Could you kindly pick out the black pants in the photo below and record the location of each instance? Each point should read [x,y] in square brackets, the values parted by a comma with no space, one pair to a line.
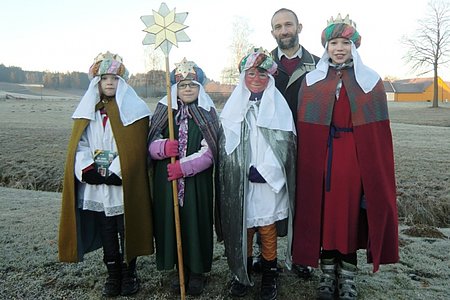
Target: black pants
[112,234]
[348,258]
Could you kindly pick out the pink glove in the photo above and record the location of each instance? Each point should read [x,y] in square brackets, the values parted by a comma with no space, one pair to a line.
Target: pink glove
[174,171]
[171,148]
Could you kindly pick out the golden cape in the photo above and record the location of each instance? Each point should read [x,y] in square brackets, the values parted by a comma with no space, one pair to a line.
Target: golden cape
[78,231]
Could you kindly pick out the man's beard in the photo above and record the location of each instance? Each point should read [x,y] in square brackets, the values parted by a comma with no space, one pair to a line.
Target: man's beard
[292,42]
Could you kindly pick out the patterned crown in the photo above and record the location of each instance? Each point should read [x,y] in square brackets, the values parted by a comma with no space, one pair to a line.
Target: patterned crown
[108,63]
[341,28]
[258,57]
[108,55]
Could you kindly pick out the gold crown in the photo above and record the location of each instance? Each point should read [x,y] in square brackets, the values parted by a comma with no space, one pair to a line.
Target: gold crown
[108,55]
[339,20]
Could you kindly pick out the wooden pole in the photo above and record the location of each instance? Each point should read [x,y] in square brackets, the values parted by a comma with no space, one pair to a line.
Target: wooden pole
[174,185]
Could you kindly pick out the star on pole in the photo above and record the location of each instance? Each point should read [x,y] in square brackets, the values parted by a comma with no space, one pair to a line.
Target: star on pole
[165,28]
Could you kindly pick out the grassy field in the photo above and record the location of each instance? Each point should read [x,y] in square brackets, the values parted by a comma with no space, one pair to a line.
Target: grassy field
[34,134]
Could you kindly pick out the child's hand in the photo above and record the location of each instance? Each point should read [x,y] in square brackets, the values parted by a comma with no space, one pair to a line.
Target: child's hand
[92,177]
[174,171]
[171,148]
[254,176]
[113,179]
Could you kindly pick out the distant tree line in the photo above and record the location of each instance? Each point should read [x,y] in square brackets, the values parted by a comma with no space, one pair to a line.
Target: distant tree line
[71,80]
[150,84]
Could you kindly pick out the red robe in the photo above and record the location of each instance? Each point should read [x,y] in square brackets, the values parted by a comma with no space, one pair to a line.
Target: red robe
[341,205]
[363,162]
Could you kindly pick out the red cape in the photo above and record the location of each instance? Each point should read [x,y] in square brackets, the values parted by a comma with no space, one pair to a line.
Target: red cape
[372,134]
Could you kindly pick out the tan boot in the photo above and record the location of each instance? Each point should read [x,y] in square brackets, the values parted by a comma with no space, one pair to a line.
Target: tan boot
[346,281]
[327,282]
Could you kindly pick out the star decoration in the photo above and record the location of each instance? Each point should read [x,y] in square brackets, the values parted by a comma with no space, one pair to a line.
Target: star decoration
[184,68]
[165,28]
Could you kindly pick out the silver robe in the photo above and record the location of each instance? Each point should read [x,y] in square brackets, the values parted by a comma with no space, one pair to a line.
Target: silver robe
[232,189]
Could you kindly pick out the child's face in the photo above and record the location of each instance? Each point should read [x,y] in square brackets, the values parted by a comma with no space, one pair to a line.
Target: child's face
[256,80]
[187,91]
[108,84]
[339,50]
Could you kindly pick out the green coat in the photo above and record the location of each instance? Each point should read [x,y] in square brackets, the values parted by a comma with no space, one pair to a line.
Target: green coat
[78,231]
[196,214]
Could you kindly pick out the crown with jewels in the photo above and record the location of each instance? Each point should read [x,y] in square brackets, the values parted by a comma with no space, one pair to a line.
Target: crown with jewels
[108,63]
[339,20]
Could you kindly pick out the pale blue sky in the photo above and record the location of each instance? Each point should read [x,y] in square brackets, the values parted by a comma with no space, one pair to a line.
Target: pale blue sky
[61,35]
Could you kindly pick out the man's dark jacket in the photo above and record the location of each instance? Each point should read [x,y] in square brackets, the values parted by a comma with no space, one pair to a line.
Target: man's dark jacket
[289,86]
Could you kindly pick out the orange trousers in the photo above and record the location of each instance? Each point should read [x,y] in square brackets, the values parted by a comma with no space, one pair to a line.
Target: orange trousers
[268,236]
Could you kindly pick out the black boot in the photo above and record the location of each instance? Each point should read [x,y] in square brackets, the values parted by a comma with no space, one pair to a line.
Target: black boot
[238,289]
[304,272]
[113,282]
[196,284]
[250,267]
[257,264]
[269,279]
[130,282]
[257,261]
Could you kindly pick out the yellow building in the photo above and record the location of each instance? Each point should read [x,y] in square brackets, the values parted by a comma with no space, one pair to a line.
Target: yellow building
[417,89]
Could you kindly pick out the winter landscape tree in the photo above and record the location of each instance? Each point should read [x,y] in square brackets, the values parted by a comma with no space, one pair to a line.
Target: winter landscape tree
[429,47]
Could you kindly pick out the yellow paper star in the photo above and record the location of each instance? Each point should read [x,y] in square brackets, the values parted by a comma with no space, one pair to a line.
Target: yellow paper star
[165,28]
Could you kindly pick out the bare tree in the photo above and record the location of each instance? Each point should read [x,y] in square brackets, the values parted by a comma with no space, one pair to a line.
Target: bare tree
[238,48]
[153,59]
[429,47]
[153,63]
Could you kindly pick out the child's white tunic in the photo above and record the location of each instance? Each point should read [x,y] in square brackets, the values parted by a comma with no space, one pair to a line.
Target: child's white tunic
[101,197]
[267,202]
